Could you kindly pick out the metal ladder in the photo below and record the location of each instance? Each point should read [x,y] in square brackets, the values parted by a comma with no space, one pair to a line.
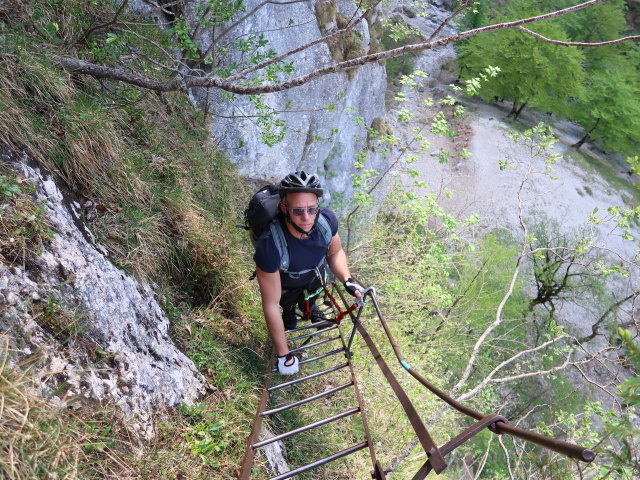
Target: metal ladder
[435,455]
[331,333]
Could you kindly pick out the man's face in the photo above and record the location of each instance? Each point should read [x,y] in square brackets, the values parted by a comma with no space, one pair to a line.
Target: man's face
[302,209]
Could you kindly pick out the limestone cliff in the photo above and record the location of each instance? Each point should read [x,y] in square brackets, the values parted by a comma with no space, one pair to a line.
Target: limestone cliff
[326,119]
[89,331]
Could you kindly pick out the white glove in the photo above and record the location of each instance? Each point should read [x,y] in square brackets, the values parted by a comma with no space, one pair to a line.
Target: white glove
[286,366]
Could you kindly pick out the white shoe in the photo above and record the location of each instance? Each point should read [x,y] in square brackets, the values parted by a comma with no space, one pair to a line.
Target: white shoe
[286,366]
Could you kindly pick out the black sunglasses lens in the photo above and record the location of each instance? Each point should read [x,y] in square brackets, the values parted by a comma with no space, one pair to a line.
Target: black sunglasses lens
[298,212]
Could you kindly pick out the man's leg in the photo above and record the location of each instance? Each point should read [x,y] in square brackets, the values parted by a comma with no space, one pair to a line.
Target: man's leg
[289,317]
[288,301]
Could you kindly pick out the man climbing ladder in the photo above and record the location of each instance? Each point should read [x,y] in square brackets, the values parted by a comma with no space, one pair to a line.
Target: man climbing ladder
[291,255]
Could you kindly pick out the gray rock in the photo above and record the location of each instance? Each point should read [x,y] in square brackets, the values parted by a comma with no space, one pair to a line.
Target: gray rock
[116,345]
[317,139]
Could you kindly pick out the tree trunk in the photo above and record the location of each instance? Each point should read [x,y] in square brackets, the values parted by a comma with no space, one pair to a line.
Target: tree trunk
[580,142]
[519,111]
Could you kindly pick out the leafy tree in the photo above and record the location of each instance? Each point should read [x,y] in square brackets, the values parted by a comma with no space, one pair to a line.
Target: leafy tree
[609,110]
[560,268]
[532,73]
[598,24]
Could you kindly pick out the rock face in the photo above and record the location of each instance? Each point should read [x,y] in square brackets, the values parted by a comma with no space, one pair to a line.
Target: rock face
[122,351]
[325,119]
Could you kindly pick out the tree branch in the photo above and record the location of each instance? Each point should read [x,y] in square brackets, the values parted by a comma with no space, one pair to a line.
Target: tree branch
[104,26]
[462,7]
[324,38]
[505,298]
[578,44]
[228,84]
[492,373]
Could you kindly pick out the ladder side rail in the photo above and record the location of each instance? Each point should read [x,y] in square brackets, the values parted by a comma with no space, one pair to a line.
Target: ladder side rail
[451,445]
[418,426]
[378,473]
[247,463]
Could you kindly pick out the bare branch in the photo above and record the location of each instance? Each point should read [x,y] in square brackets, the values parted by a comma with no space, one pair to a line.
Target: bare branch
[104,26]
[596,326]
[492,373]
[506,457]
[596,384]
[578,44]
[98,71]
[484,458]
[505,298]
[462,7]
[233,25]
[229,84]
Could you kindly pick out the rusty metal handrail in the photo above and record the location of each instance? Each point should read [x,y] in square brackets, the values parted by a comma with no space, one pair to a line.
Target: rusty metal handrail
[247,462]
[570,450]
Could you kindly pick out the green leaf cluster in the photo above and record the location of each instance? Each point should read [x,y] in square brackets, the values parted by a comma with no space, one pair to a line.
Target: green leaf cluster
[596,87]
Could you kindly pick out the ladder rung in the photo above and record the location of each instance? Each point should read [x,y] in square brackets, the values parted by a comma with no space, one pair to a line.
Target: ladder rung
[299,349]
[309,377]
[305,428]
[319,463]
[323,324]
[324,355]
[312,333]
[306,400]
[326,340]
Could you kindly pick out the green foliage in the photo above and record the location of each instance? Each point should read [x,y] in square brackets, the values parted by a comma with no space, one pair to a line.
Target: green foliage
[23,226]
[594,86]
[630,388]
[59,320]
[553,75]
[612,119]
[8,186]
[206,437]
[561,269]
[399,34]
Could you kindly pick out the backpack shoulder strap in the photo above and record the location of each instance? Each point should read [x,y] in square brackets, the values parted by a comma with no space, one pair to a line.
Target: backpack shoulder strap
[281,243]
[325,228]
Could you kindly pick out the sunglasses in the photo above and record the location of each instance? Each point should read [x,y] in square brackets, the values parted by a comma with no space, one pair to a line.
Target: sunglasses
[299,211]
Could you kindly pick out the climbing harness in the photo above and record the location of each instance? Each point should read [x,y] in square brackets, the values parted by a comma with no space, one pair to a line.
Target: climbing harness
[435,455]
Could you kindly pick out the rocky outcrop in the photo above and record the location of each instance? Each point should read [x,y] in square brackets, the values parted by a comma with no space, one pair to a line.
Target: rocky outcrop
[91,332]
[326,119]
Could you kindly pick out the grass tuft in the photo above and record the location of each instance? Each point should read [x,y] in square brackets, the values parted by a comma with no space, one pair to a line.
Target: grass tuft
[23,226]
[41,438]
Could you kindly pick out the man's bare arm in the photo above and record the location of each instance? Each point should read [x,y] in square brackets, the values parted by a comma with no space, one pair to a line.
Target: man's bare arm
[270,290]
